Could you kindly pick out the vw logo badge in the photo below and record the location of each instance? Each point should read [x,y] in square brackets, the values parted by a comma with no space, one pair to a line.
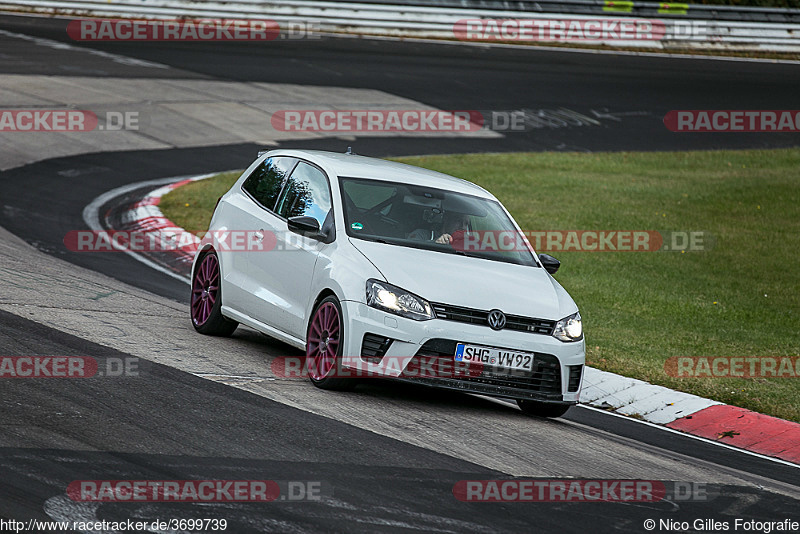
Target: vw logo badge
[497,320]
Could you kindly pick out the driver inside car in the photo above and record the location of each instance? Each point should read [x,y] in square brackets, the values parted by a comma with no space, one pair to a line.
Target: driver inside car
[452,222]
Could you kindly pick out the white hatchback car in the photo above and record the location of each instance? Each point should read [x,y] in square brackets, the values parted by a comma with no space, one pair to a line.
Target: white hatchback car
[377,268]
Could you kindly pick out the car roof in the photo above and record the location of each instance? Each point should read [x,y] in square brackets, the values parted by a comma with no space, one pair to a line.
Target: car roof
[353,166]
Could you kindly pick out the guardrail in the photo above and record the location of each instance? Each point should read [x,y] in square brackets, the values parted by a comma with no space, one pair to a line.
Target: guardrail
[622,7]
[678,26]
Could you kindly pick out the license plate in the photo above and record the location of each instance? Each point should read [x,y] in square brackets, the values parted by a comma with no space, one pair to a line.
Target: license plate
[500,358]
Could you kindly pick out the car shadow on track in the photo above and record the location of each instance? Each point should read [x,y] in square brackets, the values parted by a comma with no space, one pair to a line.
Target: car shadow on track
[384,389]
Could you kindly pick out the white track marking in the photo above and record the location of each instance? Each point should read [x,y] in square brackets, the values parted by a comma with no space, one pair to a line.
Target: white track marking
[91,216]
[58,45]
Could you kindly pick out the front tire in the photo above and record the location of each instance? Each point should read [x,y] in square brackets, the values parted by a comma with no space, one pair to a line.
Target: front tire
[542,409]
[206,300]
[324,346]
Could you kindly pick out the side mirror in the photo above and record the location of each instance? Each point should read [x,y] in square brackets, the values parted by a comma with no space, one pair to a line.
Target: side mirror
[549,263]
[304,225]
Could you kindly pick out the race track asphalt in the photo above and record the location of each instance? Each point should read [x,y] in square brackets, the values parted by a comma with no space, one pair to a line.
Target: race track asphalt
[167,423]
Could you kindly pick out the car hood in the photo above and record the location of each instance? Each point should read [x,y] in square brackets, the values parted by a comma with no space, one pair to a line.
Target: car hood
[470,282]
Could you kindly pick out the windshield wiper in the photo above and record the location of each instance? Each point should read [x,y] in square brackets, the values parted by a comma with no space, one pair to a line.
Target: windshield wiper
[375,239]
[436,247]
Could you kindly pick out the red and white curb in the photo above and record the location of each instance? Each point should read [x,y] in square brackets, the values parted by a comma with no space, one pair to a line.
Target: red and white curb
[745,429]
[704,418]
[632,397]
[145,216]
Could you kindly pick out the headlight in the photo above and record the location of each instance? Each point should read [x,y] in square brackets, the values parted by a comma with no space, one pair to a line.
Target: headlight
[569,328]
[392,299]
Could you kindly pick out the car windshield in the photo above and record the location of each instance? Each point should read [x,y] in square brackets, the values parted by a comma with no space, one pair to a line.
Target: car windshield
[432,219]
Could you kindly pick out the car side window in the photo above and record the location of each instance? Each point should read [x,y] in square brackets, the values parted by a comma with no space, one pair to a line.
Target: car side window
[307,193]
[265,183]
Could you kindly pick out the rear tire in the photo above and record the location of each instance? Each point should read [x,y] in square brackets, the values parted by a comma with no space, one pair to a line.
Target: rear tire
[324,346]
[206,299]
[542,409]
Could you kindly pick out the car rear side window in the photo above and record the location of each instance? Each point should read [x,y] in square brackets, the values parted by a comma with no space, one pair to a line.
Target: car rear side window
[307,193]
[265,183]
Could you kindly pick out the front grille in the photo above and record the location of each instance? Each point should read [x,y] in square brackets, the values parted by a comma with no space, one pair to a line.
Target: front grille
[574,377]
[481,317]
[374,347]
[434,365]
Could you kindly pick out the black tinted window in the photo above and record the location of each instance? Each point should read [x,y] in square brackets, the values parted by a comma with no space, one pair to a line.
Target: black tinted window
[432,219]
[265,183]
[307,193]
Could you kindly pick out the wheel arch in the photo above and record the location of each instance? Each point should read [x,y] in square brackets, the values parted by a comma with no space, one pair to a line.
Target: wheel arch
[201,252]
[326,292]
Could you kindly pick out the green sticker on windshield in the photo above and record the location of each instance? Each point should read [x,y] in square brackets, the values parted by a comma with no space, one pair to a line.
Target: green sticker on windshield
[357,226]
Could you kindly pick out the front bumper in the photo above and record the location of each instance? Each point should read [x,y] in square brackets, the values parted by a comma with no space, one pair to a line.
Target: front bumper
[423,352]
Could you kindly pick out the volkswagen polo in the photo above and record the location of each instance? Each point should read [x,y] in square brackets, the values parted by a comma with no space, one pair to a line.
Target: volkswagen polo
[376,268]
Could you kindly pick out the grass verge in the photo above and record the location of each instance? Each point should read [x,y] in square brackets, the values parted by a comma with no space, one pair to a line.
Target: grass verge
[739,298]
